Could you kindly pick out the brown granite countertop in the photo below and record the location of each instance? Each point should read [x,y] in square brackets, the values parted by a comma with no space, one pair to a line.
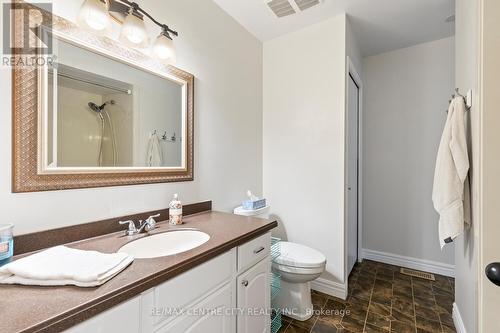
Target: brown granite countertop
[53,309]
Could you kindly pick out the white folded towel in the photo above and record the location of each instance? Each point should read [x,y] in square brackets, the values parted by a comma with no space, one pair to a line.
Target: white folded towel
[62,265]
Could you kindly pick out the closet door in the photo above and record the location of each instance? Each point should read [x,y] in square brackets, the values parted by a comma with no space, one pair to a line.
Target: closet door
[352,173]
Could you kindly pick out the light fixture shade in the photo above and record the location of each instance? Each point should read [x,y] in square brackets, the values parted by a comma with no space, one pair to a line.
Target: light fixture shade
[163,48]
[133,32]
[94,16]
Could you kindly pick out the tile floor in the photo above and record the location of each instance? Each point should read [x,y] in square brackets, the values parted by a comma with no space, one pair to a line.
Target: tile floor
[380,299]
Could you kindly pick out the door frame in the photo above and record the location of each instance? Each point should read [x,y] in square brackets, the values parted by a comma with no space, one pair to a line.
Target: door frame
[488,68]
[353,72]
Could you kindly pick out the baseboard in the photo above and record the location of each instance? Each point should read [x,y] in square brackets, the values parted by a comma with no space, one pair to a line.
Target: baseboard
[409,262]
[331,288]
[457,320]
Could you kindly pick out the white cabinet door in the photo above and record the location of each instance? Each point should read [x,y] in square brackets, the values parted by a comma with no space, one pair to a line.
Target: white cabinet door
[124,318]
[254,295]
[210,315]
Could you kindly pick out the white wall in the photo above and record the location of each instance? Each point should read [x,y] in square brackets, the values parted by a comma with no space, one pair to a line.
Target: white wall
[406,95]
[466,246]
[227,63]
[304,103]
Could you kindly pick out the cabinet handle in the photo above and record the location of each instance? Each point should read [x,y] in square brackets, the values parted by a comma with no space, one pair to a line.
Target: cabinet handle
[244,283]
[259,250]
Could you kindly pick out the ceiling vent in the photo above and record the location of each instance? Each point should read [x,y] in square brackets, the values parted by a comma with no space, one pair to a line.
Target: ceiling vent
[305,4]
[283,8]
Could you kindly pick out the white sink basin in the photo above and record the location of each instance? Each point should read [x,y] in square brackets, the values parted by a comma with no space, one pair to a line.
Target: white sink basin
[165,244]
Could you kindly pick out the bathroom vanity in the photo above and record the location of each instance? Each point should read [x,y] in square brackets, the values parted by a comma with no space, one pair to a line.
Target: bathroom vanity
[202,299]
[205,289]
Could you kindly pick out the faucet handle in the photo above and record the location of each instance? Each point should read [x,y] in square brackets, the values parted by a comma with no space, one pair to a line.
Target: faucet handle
[150,222]
[131,227]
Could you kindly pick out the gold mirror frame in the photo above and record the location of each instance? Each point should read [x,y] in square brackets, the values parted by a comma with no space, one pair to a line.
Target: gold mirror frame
[26,125]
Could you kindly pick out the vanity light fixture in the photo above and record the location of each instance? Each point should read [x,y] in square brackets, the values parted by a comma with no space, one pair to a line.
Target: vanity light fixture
[96,15]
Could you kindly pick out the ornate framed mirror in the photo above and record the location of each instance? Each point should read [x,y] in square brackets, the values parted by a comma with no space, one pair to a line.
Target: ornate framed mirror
[95,113]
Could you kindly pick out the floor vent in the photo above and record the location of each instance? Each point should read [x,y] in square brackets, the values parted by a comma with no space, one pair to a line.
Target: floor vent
[419,274]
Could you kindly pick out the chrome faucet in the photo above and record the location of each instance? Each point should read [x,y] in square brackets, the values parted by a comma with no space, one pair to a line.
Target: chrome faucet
[148,225]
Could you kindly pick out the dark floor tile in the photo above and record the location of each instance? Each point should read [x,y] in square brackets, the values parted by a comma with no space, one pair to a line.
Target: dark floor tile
[355,301]
[446,319]
[324,327]
[365,281]
[293,328]
[382,297]
[427,313]
[369,328]
[445,285]
[309,323]
[449,329]
[422,292]
[443,292]
[334,304]
[402,327]
[353,324]
[382,284]
[418,282]
[403,292]
[386,276]
[360,293]
[444,301]
[382,309]
[378,320]
[356,312]
[403,305]
[428,302]
[403,317]
[443,309]
[428,325]
[330,320]
[318,300]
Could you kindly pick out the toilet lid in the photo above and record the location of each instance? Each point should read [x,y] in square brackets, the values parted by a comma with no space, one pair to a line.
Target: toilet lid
[297,255]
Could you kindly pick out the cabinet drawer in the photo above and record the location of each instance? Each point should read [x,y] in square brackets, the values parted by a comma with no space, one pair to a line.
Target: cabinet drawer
[252,252]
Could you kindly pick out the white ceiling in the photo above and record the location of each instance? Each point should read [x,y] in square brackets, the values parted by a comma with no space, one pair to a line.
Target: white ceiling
[380,25]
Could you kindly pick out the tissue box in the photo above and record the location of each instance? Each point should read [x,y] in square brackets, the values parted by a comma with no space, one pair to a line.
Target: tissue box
[253,204]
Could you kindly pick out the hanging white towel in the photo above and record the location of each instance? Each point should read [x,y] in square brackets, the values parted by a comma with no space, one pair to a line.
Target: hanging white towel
[155,155]
[450,177]
[62,265]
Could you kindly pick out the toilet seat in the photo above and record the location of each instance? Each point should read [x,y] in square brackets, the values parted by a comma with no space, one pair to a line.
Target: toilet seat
[299,258]
[298,270]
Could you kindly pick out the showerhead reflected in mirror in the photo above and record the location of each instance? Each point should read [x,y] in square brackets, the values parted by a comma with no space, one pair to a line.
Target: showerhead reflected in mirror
[103,113]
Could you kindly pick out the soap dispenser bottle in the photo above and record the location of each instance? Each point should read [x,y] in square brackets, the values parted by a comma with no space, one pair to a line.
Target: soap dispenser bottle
[175,211]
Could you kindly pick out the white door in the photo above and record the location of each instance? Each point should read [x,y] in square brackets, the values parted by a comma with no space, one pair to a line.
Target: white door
[254,294]
[489,252]
[352,173]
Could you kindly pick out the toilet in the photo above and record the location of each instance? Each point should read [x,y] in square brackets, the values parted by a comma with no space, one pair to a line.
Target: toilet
[298,265]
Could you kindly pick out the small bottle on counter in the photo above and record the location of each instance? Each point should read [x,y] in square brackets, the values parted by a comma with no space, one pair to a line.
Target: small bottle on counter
[175,211]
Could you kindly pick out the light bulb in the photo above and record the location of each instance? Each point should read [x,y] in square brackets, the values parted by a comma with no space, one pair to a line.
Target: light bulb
[93,15]
[133,32]
[163,47]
